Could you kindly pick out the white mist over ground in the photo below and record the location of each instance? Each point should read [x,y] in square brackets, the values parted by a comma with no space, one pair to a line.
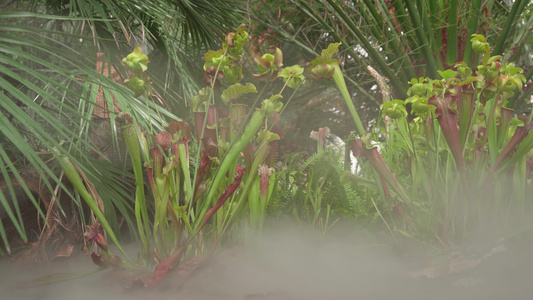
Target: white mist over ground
[289,264]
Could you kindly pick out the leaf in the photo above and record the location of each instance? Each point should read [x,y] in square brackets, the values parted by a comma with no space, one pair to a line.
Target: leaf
[394,109]
[520,134]
[278,58]
[293,76]
[447,74]
[265,136]
[162,269]
[332,49]
[39,58]
[235,91]
[137,60]
[227,193]
[164,140]
[214,58]
[275,97]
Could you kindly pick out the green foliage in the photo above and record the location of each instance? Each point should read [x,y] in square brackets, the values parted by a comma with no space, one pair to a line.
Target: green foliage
[400,39]
[136,61]
[394,109]
[269,65]
[293,76]
[315,191]
[194,201]
[424,173]
[455,151]
[50,86]
[235,91]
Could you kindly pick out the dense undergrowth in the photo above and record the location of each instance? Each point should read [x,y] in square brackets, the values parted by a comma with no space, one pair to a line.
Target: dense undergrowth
[440,167]
[455,163]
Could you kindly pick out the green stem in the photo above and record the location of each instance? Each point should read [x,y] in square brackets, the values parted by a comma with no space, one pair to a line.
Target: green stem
[255,206]
[475,8]
[372,52]
[516,10]
[406,69]
[429,28]
[451,48]
[141,214]
[424,43]
[184,162]
[210,102]
[72,174]
[434,10]
[341,85]
[251,129]
[337,37]
[404,25]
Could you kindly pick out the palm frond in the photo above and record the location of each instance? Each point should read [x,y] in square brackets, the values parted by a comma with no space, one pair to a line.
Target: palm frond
[52,87]
[401,39]
[49,92]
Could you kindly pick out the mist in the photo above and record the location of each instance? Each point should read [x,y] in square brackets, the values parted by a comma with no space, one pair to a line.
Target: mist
[297,263]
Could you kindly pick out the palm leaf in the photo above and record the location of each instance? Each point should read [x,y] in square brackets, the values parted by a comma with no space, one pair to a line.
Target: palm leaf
[402,39]
[50,85]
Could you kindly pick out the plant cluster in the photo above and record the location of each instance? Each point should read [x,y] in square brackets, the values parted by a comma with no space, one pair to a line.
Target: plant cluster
[452,136]
[445,162]
[399,39]
[206,182]
[51,90]
[466,152]
[453,157]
